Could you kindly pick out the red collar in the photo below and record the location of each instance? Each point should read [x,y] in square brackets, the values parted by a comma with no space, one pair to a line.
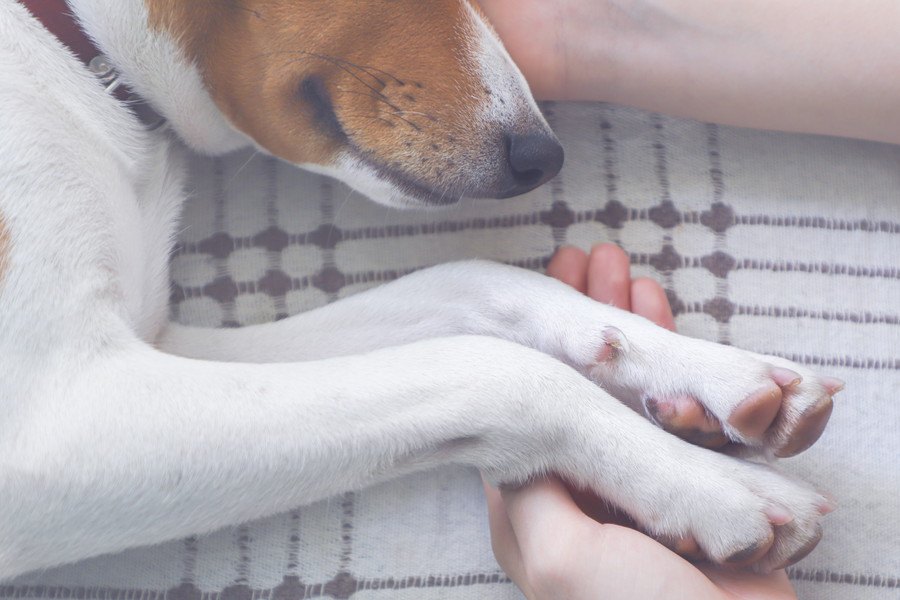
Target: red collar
[56,16]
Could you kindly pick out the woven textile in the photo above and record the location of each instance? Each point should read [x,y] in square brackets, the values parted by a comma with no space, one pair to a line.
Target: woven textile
[781,244]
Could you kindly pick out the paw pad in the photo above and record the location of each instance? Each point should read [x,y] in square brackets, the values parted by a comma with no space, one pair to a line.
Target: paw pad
[686,418]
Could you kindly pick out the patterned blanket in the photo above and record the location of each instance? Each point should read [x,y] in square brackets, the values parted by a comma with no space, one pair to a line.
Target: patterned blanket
[781,244]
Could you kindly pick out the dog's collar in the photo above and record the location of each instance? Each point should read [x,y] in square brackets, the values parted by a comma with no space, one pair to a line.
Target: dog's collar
[57,18]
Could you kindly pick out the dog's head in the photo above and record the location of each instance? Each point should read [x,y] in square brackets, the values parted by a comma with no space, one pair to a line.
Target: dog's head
[411,102]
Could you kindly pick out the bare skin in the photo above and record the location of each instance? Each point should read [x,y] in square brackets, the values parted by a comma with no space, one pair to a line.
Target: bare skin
[556,544]
[810,66]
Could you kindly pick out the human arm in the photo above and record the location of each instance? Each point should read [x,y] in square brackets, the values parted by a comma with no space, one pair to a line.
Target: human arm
[812,66]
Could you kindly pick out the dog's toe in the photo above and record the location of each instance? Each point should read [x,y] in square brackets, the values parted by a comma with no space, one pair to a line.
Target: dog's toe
[792,544]
[782,529]
[785,414]
[752,553]
[685,417]
[804,550]
[753,417]
[808,428]
[713,396]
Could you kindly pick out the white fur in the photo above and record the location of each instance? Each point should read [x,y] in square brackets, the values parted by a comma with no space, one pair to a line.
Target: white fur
[118,430]
[511,97]
[156,69]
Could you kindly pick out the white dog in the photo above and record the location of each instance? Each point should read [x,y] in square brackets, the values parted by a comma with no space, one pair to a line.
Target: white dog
[120,429]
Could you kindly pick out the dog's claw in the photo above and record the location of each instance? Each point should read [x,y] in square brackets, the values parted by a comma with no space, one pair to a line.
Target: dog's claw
[786,378]
[827,506]
[778,515]
[833,385]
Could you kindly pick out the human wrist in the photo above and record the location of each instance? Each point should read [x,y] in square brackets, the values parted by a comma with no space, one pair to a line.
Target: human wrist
[583,61]
[561,46]
[623,51]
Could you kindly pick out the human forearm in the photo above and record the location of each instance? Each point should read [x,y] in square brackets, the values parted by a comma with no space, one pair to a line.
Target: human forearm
[823,66]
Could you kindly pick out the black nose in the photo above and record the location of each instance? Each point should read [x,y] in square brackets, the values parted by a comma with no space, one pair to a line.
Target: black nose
[534,159]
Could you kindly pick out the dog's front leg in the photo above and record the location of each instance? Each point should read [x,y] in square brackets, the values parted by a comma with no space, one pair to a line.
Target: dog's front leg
[139,447]
[764,402]
[142,447]
[465,298]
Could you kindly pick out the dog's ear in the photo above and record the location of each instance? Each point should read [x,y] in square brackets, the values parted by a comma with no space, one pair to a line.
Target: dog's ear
[407,101]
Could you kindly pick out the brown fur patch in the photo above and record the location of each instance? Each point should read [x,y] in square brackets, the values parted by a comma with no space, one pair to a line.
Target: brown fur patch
[5,249]
[309,78]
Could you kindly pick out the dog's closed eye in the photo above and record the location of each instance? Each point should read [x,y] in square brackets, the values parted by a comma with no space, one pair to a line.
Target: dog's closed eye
[312,91]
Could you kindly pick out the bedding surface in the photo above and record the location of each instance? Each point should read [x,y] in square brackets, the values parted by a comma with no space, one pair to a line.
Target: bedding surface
[781,244]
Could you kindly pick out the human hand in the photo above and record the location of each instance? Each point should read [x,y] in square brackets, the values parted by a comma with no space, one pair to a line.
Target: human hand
[542,534]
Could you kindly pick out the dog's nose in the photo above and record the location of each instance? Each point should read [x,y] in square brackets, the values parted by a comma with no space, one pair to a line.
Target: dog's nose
[534,159]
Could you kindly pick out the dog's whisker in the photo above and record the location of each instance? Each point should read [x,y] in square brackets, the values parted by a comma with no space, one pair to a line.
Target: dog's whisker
[367,69]
[341,65]
[415,113]
[398,112]
[341,206]
[253,155]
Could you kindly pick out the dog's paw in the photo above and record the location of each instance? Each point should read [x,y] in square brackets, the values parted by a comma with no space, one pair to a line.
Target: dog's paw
[740,514]
[713,395]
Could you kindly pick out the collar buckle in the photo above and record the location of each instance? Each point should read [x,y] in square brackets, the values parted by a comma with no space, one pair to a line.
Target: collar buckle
[111,81]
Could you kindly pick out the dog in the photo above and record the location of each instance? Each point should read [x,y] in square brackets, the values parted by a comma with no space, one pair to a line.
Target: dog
[120,429]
